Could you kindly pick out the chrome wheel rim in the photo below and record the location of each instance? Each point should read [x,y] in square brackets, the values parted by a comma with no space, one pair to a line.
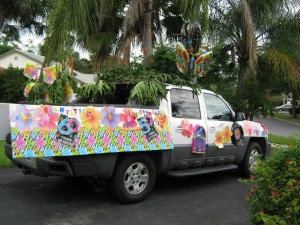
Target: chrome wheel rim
[136,178]
[253,159]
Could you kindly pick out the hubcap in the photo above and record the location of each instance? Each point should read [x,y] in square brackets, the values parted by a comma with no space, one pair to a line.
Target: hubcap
[136,178]
[253,159]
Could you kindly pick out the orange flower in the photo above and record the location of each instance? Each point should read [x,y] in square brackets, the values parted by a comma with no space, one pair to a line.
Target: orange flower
[227,134]
[219,140]
[90,118]
[163,121]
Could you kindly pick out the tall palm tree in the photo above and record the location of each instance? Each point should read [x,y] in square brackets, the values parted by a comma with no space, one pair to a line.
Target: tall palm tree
[138,20]
[16,15]
[144,18]
[246,24]
[92,25]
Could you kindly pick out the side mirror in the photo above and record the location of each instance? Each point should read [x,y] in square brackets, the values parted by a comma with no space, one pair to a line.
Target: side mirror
[239,116]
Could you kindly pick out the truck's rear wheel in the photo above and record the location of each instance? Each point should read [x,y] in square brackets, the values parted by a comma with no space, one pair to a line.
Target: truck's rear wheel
[251,159]
[134,178]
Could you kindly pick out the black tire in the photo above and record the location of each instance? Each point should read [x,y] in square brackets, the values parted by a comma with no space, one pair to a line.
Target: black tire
[139,173]
[250,159]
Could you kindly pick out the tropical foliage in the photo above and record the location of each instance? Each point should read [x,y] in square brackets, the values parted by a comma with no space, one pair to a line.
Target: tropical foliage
[51,85]
[12,85]
[17,15]
[274,197]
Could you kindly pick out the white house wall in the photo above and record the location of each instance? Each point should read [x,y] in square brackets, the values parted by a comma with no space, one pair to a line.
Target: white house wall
[4,120]
[16,60]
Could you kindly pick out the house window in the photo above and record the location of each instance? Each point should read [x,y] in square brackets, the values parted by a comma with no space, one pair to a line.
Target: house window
[16,58]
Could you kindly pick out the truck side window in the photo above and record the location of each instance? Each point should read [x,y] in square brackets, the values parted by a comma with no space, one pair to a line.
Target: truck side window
[216,108]
[185,104]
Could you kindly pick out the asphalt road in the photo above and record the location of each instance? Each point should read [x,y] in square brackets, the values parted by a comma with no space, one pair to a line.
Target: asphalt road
[281,127]
[209,199]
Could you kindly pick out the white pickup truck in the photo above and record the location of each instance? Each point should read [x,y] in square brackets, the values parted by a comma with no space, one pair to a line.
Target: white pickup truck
[187,134]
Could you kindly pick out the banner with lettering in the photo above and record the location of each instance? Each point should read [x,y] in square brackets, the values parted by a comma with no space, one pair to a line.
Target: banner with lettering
[46,130]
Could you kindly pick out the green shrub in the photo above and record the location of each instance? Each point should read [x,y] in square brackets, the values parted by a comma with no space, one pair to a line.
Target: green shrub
[275,194]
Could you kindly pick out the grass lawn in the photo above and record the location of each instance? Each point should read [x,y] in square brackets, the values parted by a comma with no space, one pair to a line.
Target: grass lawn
[4,161]
[288,117]
[275,139]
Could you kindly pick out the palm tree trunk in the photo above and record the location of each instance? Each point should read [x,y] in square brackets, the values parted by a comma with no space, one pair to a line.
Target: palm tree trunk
[127,51]
[147,39]
[2,12]
[243,64]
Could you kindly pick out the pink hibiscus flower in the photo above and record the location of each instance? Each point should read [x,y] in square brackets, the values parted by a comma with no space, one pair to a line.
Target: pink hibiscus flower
[47,118]
[128,117]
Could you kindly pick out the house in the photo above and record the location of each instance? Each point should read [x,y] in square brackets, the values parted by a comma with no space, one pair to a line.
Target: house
[17,58]
[83,78]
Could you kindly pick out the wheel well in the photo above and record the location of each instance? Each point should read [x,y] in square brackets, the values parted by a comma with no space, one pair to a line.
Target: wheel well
[154,155]
[261,142]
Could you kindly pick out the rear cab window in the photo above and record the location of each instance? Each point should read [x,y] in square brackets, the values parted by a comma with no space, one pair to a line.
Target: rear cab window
[185,104]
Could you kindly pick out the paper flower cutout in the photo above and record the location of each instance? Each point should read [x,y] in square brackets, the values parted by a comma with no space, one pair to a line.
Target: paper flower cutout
[163,122]
[110,118]
[248,127]
[24,118]
[227,133]
[47,119]
[219,139]
[129,118]
[90,118]
[187,129]
[50,74]
[30,71]
[28,88]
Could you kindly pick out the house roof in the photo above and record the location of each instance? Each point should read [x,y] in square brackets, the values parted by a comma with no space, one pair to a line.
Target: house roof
[37,58]
[84,78]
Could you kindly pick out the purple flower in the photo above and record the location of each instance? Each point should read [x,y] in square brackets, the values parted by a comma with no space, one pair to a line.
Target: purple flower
[106,139]
[20,143]
[157,138]
[91,140]
[23,117]
[120,139]
[134,139]
[168,138]
[109,117]
[40,142]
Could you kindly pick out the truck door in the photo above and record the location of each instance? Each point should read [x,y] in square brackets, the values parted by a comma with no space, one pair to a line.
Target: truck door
[185,115]
[220,148]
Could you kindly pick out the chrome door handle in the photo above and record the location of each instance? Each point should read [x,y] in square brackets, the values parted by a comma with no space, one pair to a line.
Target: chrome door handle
[178,129]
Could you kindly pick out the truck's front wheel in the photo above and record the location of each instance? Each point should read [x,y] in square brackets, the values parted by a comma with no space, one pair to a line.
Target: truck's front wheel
[134,178]
[250,159]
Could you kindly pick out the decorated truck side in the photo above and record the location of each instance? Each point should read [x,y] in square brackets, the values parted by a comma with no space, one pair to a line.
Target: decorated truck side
[187,134]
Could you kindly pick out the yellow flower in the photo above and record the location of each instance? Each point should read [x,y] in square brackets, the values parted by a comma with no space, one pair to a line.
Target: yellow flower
[227,133]
[219,139]
[90,118]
